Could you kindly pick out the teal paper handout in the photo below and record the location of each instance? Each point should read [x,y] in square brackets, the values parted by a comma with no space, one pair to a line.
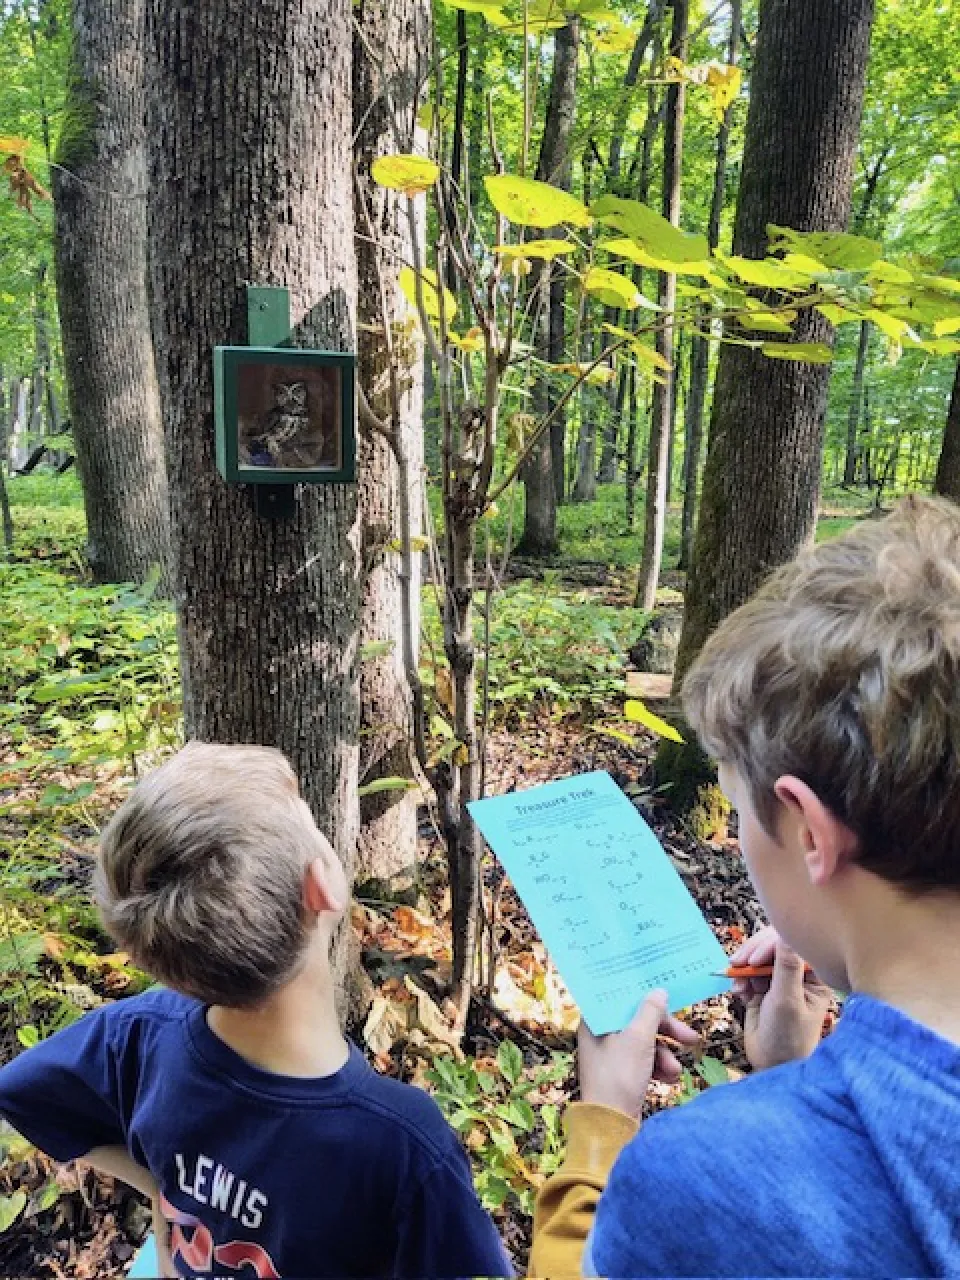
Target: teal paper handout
[607,901]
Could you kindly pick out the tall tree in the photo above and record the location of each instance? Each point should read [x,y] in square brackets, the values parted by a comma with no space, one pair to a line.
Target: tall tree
[553,165]
[101,268]
[661,418]
[762,476]
[948,468]
[249,136]
[391,43]
[856,402]
[700,341]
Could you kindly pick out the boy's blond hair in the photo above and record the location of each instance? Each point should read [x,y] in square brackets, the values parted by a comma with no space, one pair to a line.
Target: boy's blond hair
[201,873]
[844,670]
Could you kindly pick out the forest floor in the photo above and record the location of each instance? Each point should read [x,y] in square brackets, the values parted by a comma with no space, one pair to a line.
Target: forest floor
[88,697]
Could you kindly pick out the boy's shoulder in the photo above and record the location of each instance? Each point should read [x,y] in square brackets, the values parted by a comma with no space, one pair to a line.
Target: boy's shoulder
[404,1107]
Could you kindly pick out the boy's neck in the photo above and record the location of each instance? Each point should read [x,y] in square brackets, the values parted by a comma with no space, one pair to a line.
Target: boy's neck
[295,1033]
[905,950]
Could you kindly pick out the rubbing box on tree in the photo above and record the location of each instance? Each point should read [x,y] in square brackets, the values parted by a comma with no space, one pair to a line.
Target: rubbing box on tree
[284,415]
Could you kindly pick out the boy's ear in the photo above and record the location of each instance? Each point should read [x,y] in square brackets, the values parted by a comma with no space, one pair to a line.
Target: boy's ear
[320,891]
[827,843]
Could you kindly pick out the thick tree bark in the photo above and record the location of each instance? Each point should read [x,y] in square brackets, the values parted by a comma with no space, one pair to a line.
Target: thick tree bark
[100,239]
[700,342]
[658,456]
[762,476]
[249,120]
[539,474]
[385,106]
[856,401]
[948,468]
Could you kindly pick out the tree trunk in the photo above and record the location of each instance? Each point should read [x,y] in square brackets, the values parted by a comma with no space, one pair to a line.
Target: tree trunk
[100,241]
[5,514]
[585,484]
[948,468]
[250,146]
[655,514]
[384,107]
[856,400]
[700,342]
[540,519]
[557,343]
[17,437]
[761,486]
[631,484]
[609,450]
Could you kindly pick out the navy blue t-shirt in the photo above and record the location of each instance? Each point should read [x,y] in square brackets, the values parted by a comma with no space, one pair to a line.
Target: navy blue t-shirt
[263,1175]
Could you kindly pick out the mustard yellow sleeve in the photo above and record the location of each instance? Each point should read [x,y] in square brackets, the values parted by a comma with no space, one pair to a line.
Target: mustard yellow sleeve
[567,1201]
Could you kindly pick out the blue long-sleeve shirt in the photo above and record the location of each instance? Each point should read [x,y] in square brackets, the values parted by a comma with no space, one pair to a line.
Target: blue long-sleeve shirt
[845,1164]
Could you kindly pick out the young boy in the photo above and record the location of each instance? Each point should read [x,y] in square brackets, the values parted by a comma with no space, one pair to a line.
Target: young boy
[232,1099]
[832,703]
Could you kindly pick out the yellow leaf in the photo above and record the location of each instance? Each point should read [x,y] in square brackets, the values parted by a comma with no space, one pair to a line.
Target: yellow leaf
[638,713]
[472,340]
[407,281]
[944,327]
[723,82]
[12,146]
[410,174]
[534,204]
[545,249]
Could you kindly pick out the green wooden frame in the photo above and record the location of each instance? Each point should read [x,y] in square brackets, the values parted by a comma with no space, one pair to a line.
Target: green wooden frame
[227,363]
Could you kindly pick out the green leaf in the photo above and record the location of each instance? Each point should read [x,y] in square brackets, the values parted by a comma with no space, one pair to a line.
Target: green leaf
[638,713]
[712,1071]
[529,203]
[951,324]
[832,248]
[519,1113]
[757,318]
[650,229]
[20,953]
[623,247]
[377,649]
[407,280]
[767,273]
[806,352]
[838,315]
[45,1198]
[387,784]
[28,1035]
[410,174]
[612,289]
[643,352]
[11,1208]
[510,1061]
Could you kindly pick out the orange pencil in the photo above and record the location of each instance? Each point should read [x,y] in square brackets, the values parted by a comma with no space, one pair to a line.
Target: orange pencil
[752,971]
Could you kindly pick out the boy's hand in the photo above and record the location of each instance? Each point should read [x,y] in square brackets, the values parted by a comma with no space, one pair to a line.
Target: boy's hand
[615,1070]
[784,1013]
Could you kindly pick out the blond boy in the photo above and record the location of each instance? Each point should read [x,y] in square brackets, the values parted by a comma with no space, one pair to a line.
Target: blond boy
[832,703]
[268,1144]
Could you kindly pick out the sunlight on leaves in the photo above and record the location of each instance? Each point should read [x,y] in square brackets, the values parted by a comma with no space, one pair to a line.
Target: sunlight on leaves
[529,203]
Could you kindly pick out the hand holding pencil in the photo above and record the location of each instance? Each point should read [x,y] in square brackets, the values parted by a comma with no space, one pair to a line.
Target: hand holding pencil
[785,1000]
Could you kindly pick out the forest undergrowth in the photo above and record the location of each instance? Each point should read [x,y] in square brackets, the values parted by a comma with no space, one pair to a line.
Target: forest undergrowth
[89,700]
